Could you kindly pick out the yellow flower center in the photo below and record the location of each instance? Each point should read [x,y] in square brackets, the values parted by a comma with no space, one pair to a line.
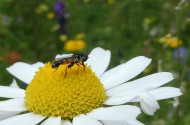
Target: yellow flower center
[49,94]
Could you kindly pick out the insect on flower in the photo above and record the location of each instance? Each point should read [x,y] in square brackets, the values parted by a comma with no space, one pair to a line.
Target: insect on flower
[77,59]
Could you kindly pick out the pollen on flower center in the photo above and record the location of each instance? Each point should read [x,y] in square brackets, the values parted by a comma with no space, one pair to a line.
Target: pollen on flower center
[49,94]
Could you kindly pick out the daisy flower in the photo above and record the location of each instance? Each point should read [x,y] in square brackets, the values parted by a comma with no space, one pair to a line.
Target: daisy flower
[92,96]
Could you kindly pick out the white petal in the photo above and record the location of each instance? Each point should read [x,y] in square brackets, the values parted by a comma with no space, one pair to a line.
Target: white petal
[23,71]
[7,114]
[114,122]
[23,119]
[85,120]
[38,65]
[13,105]
[32,120]
[14,84]
[130,69]
[128,122]
[99,60]
[149,105]
[62,56]
[158,94]
[65,122]
[111,72]
[52,121]
[133,122]
[142,84]
[165,92]
[122,112]
[10,92]
[121,99]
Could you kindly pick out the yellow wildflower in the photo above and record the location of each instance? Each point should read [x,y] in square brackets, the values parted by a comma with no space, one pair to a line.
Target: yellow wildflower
[111,1]
[75,45]
[80,36]
[50,15]
[63,37]
[41,8]
[173,42]
[170,41]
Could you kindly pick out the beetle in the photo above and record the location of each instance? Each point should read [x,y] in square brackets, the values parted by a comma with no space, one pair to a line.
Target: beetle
[77,59]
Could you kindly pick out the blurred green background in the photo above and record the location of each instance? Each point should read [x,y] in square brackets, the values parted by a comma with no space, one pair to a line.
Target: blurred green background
[32,31]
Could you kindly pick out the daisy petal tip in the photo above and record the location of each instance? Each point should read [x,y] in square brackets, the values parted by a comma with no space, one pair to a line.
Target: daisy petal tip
[165,93]
[10,69]
[98,48]
[108,53]
[169,74]
[146,59]
[22,71]
[38,64]
[142,59]
[148,111]
[181,93]
[15,65]
[178,92]
[14,84]
[99,60]
[138,110]
[149,60]
[148,103]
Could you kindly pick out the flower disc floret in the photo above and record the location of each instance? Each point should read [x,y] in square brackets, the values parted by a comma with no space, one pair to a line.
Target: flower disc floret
[50,94]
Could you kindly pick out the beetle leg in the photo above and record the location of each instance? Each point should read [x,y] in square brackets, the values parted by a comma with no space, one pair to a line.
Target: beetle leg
[77,64]
[69,66]
[55,70]
[78,68]
[83,65]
